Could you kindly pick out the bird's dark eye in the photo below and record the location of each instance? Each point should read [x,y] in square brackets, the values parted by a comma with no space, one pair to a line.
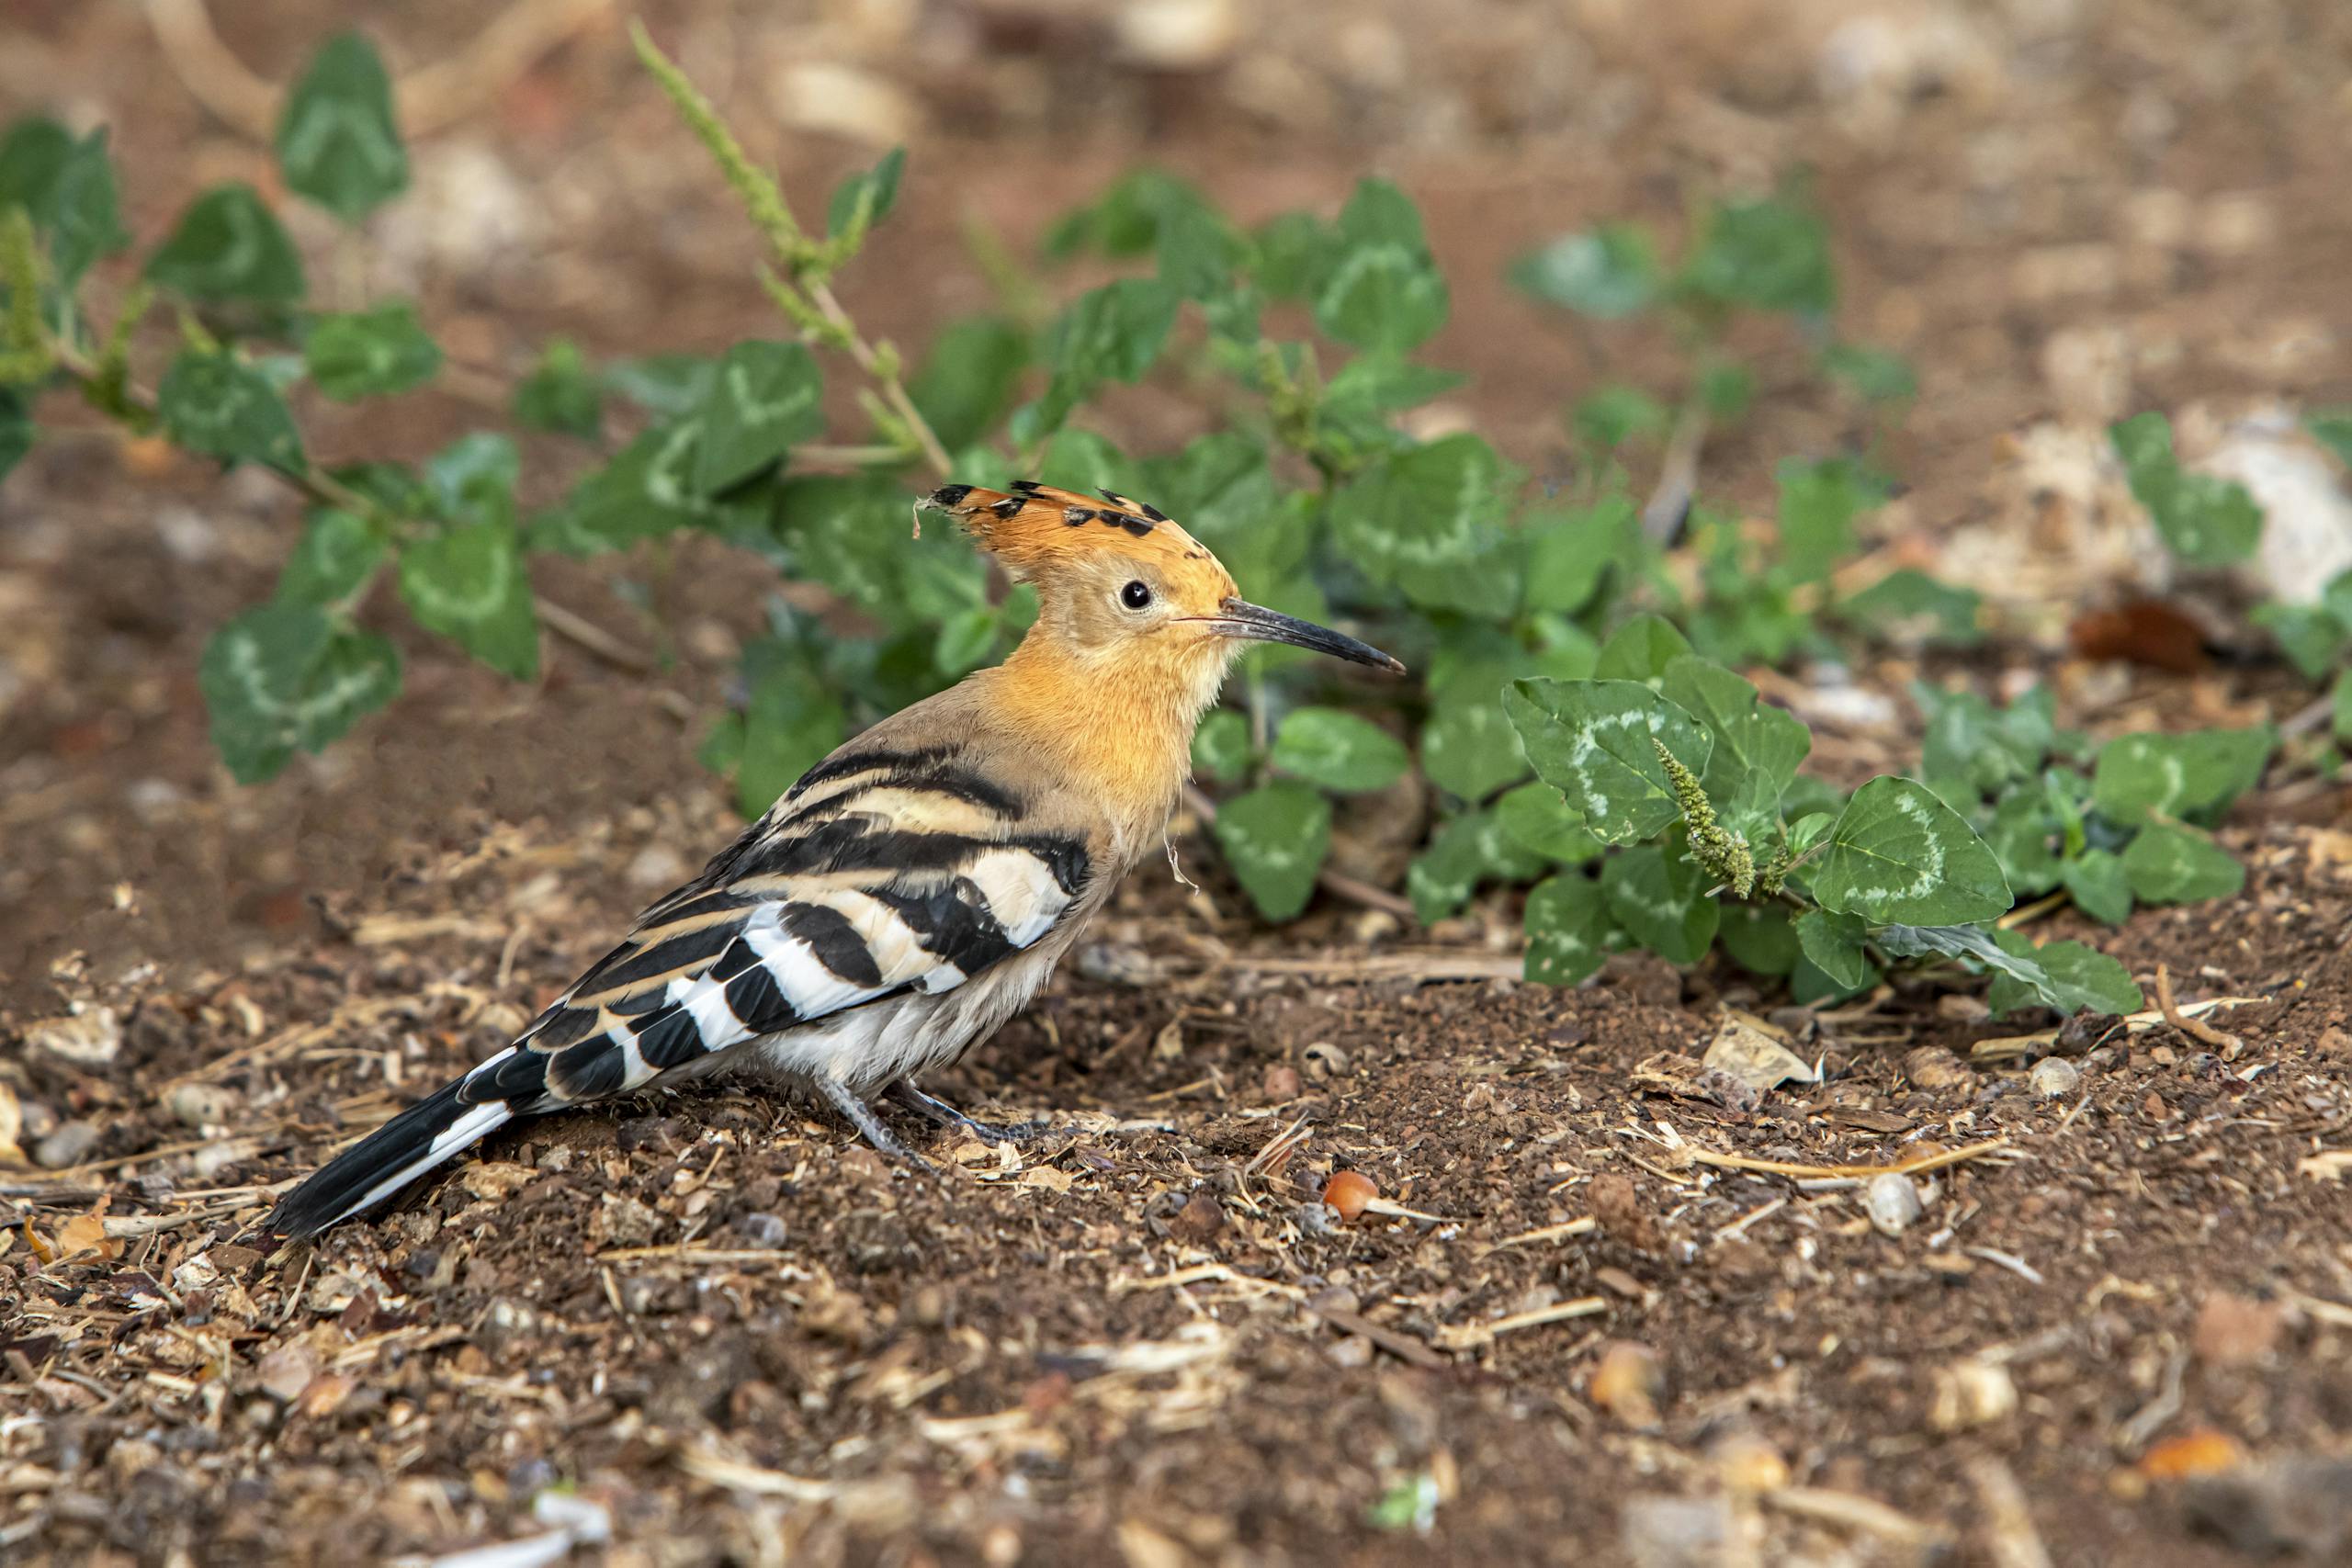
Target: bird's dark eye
[1135,596]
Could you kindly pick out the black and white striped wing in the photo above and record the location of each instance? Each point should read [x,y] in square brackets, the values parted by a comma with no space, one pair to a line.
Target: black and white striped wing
[882,873]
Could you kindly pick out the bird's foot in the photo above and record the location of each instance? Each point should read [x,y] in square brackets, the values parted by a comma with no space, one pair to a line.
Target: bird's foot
[946,1115]
[870,1127]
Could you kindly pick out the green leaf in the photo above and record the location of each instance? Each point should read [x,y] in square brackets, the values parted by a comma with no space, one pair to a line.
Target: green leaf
[1569,551]
[1898,853]
[875,188]
[1725,391]
[1808,829]
[1958,942]
[1767,254]
[1275,838]
[368,354]
[1811,986]
[560,395]
[791,723]
[67,186]
[219,406]
[1757,748]
[1372,384]
[281,677]
[336,141]
[1429,521]
[337,552]
[1908,606]
[967,379]
[1113,333]
[766,396]
[1659,897]
[1384,291]
[1338,751]
[2195,774]
[1760,937]
[227,245]
[2077,978]
[1608,418]
[2171,863]
[472,478]
[2206,521]
[2331,427]
[1536,817]
[2339,697]
[2020,836]
[16,429]
[1593,741]
[468,585]
[1292,249]
[1610,271]
[966,640]
[1441,878]
[1568,930]
[667,385]
[1126,220]
[2100,886]
[1833,942]
[1874,374]
[1819,501]
[1468,746]
[1221,745]
[1641,650]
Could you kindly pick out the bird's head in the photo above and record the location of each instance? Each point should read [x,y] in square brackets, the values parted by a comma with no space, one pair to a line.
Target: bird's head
[1118,582]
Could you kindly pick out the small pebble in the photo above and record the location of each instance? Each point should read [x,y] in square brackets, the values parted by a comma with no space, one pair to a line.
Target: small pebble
[760,1230]
[2054,1077]
[1630,1383]
[1893,1202]
[66,1146]
[200,1105]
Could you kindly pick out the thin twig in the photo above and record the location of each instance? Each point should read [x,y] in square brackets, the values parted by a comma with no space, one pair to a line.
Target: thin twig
[2195,1028]
[1470,1336]
[587,634]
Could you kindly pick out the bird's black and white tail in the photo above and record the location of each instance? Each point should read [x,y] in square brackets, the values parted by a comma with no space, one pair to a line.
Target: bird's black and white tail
[431,1131]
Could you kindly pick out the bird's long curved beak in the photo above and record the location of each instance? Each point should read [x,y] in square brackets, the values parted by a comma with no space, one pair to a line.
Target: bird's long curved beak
[1239,618]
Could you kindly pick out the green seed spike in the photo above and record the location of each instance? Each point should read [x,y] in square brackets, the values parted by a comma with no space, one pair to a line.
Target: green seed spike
[1724,854]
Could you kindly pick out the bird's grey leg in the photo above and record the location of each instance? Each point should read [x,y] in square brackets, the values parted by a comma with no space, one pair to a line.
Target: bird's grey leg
[946,1115]
[870,1127]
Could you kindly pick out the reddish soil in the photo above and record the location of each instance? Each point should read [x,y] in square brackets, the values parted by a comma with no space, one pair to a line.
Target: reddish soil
[743,1339]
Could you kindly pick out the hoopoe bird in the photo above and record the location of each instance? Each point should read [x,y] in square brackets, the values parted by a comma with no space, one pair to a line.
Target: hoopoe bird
[914,889]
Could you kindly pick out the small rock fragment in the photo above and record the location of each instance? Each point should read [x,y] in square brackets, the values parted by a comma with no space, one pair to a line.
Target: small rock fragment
[1749,1464]
[1200,1218]
[1676,1532]
[1893,1203]
[88,1038]
[286,1371]
[1933,1068]
[2054,1077]
[66,1146]
[2232,1330]
[200,1105]
[1972,1394]
[1629,1384]
[1280,1085]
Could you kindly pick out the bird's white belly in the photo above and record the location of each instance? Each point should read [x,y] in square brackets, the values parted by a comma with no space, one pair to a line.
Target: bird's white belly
[870,1047]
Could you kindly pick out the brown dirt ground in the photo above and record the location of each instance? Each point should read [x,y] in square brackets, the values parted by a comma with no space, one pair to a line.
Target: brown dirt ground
[747,1341]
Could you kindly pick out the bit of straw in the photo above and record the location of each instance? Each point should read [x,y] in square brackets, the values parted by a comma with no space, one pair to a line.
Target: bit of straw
[1854,1172]
[1471,1336]
[1560,1231]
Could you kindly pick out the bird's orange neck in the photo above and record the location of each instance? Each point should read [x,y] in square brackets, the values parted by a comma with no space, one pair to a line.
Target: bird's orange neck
[1119,721]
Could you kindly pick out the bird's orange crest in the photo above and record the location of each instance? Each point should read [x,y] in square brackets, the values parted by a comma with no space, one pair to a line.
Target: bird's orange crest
[1036,526]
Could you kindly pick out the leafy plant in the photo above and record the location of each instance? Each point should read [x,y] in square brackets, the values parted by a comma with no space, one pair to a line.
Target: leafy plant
[1692,784]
